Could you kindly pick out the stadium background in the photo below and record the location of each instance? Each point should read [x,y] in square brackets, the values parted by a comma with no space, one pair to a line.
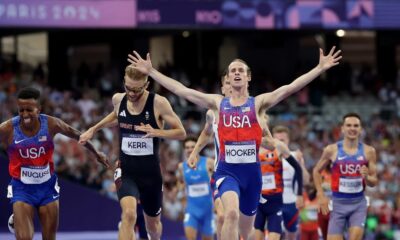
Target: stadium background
[75,52]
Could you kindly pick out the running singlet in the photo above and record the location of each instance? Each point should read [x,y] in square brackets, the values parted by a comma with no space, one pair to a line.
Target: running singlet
[31,157]
[239,133]
[289,183]
[198,192]
[347,181]
[271,170]
[132,144]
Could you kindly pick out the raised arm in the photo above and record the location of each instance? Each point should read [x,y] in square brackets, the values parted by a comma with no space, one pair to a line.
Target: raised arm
[56,125]
[209,101]
[268,100]
[326,157]
[176,130]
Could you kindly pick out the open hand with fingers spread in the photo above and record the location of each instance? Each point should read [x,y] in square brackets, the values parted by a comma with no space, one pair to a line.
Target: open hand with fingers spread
[139,63]
[330,60]
[148,129]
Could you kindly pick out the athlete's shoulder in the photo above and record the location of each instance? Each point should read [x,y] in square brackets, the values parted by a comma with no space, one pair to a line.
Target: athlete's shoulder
[117,98]
[331,148]
[5,128]
[368,149]
[160,102]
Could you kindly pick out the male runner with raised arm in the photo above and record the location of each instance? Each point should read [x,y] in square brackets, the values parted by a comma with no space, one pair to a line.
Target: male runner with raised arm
[239,118]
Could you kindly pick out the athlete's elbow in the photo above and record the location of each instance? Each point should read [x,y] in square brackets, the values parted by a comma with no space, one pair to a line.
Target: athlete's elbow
[181,135]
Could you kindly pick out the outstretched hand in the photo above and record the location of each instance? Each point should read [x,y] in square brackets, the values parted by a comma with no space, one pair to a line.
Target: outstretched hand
[330,60]
[139,63]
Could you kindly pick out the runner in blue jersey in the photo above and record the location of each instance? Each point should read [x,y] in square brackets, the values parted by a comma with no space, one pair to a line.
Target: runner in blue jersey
[199,206]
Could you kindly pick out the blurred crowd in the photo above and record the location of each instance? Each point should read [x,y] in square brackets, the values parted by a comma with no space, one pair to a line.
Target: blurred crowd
[313,127]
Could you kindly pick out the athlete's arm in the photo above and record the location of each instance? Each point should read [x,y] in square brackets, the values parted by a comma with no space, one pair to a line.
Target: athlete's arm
[110,120]
[176,130]
[5,131]
[284,152]
[268,100]
[202,141]
[325,159]
[201,99]
[300,159]
[369,173]
[179,177]
[56,125]
[210,166]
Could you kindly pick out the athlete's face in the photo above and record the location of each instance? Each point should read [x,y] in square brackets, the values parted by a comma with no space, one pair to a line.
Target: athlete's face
[134,89]
[351,128]
[237,74]
[29,111]
[226,88]
[189,147]
[282,136]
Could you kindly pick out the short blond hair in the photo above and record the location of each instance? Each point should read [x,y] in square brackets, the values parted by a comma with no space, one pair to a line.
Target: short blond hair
[281,129]
[135,74]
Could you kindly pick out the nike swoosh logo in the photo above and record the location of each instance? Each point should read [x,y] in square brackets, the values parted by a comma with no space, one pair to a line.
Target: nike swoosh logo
[55,196]
[18,141]
[341,158]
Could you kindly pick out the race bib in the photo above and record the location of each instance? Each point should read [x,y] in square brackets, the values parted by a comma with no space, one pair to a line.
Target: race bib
[240,152]
[9,191]
[136,145]
[35,175]
[268,181]
[198,190]
[350,185]
[117,174]
[312,214]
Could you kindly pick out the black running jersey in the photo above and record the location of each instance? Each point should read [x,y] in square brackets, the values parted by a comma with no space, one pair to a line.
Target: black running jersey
[132,143]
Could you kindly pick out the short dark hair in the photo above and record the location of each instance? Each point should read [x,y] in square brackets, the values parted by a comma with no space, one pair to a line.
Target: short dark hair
[29,93]
[189,138]
[351,114]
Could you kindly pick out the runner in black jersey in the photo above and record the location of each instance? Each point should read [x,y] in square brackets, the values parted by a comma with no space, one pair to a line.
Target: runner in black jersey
[140,116]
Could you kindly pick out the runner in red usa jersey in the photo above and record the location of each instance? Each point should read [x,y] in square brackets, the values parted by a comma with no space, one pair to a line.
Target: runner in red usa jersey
[238,175]
[353,166]
[28,139]
[238,167]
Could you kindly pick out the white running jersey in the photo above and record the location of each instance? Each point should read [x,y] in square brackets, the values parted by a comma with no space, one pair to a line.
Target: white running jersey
[289,186]
[216,142]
